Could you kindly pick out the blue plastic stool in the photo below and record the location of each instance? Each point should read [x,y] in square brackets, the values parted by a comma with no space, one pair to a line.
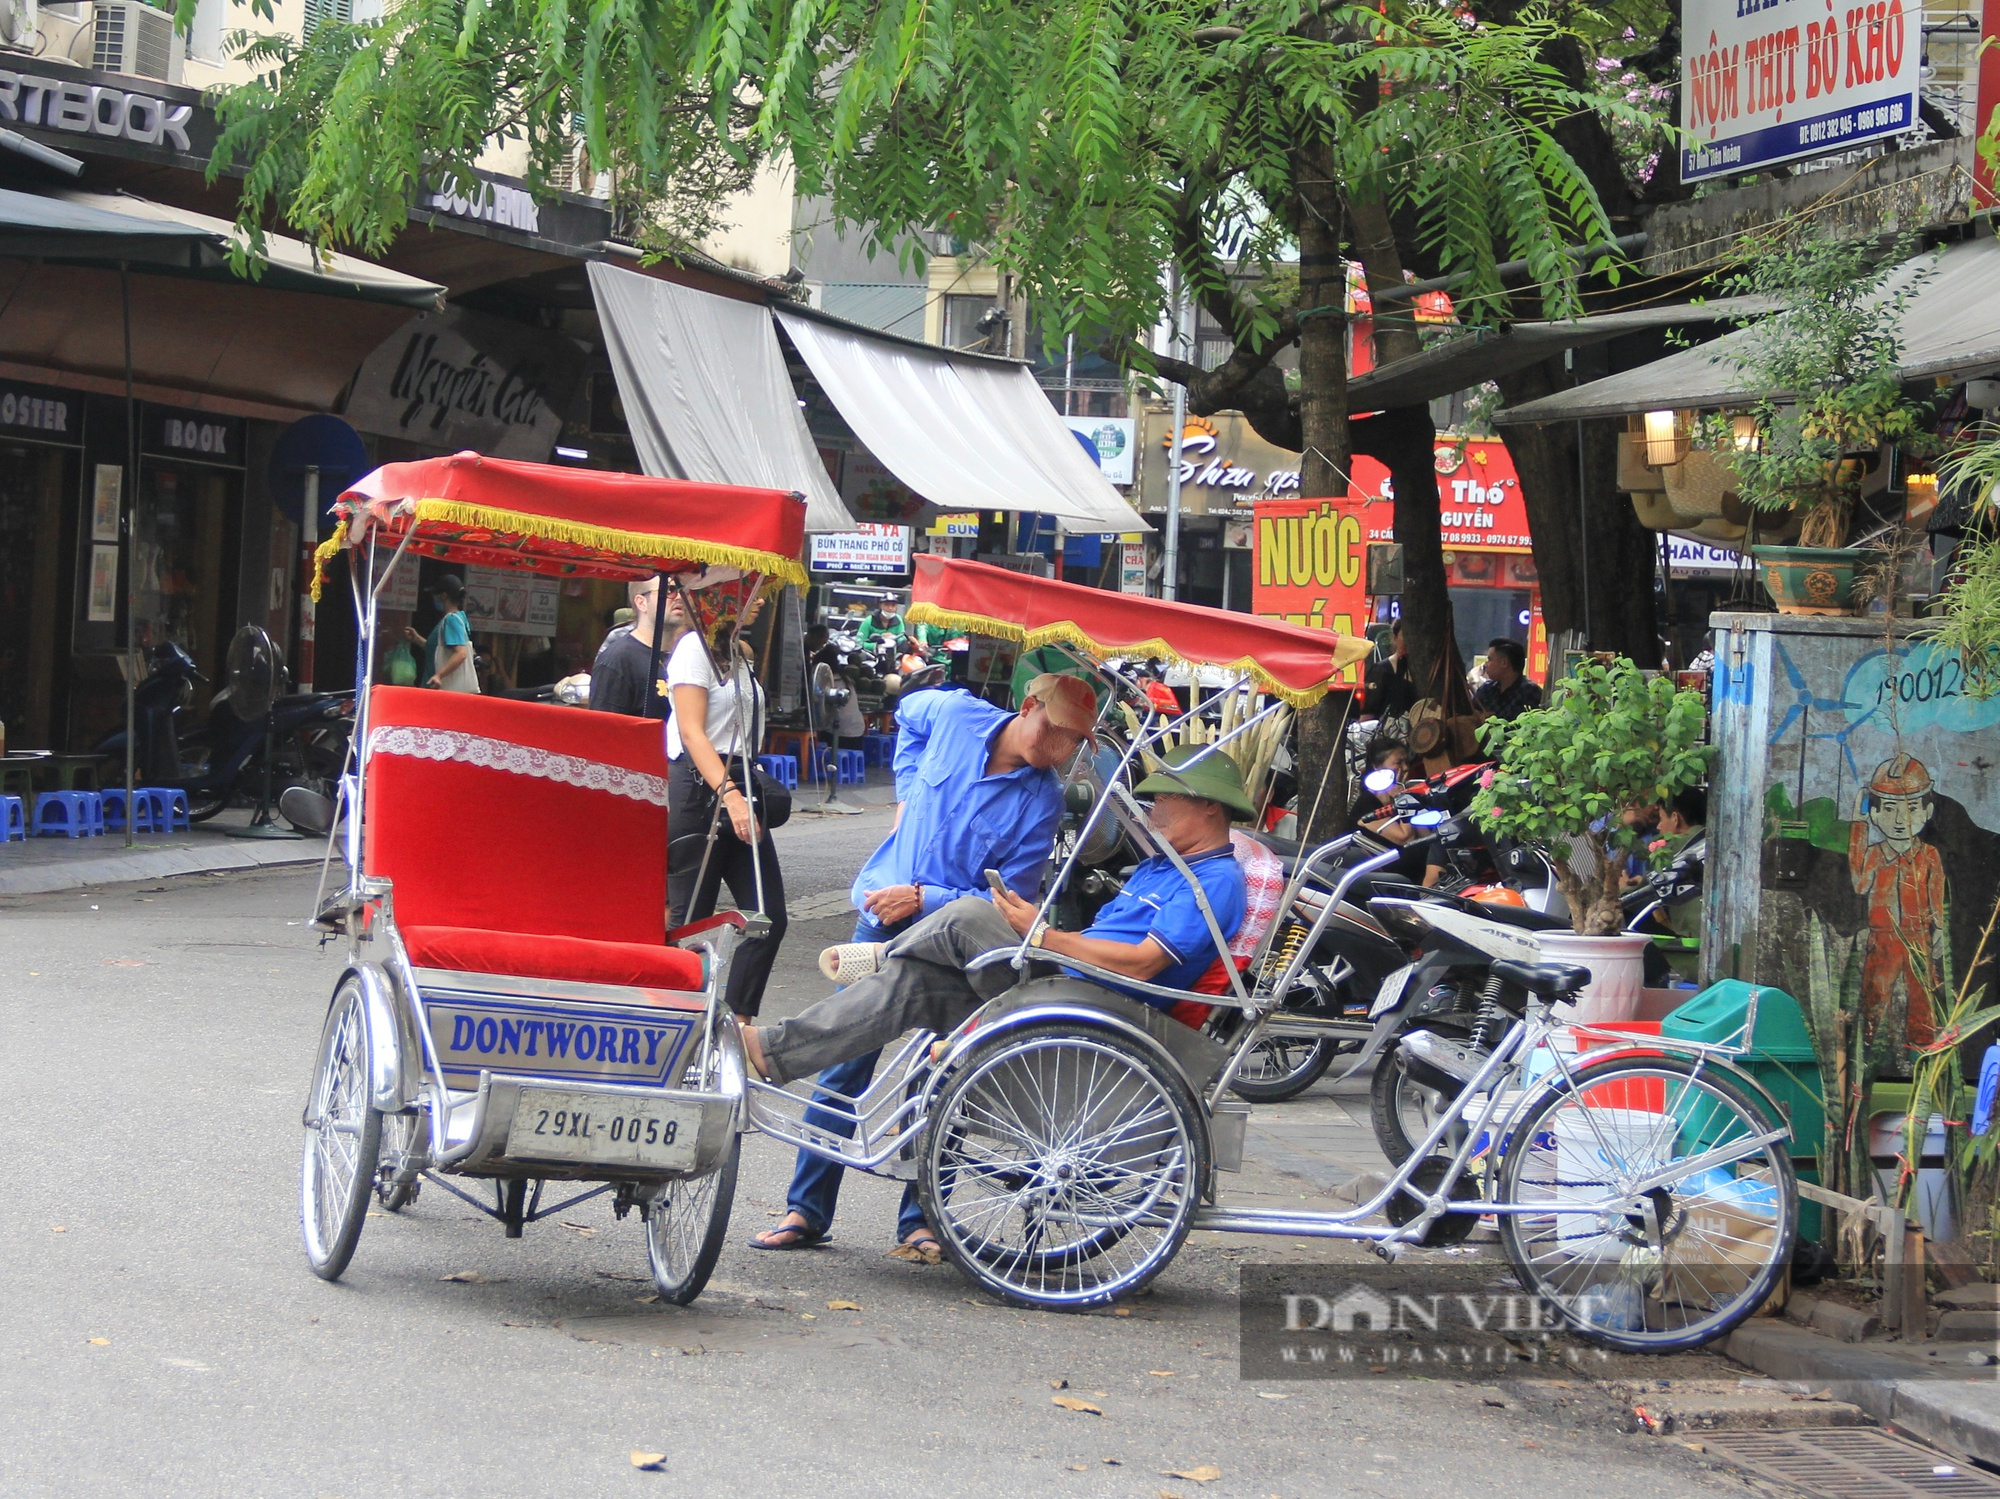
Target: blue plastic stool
[69,814]
[879,749]
[170,807]
[13,819]
[853,768]
[784,769]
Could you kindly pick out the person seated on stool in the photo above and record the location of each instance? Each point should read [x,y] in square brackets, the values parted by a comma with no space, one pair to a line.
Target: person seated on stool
[1153,931]
[976,789]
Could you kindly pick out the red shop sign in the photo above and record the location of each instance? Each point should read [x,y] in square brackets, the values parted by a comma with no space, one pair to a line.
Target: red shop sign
[1479,498]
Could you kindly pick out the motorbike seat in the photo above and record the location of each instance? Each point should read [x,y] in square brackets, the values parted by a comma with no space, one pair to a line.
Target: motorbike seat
[1524,917]
[1550,980]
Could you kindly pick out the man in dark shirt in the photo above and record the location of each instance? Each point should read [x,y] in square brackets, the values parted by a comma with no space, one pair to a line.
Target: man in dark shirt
[1506,693]
[618,676]
[1389,691]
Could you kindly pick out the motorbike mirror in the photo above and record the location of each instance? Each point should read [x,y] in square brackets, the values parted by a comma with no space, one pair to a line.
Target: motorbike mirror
[306,810]
[1426,819]
[1379,780]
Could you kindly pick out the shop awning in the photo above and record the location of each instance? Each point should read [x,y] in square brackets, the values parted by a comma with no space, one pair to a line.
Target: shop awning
[1481,354]
[290,264]
[36,226]
[705,390]
[1950,329]
[964,433]
[1296,664]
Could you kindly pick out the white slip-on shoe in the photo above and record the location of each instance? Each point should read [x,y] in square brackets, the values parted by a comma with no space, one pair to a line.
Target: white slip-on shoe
[849,961]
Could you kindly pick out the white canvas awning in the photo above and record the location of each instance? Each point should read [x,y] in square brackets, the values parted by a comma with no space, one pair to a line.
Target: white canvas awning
[964,433]
[1950,328]
[706,393]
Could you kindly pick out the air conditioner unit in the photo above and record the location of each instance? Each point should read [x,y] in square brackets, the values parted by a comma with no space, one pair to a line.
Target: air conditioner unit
[135,38]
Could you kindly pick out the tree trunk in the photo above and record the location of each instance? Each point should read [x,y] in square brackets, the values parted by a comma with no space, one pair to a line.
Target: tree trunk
[1324,795]
[1326,454]
[1405,440]
[1595,561]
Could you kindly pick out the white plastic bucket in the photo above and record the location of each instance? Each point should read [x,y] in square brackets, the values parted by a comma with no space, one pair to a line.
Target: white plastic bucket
[1592,1146]
[1617,972]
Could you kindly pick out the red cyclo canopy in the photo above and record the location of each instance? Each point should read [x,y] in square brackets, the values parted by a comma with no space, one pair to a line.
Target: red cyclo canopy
[1295,664]
[544,518]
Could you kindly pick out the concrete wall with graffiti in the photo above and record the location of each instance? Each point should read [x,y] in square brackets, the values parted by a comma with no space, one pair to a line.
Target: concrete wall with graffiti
[1859,783]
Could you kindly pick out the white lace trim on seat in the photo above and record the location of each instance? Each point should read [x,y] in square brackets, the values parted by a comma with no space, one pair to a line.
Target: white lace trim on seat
[518,759]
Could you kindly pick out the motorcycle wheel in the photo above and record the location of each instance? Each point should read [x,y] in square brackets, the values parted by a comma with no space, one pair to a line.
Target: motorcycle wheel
[1404,1111]
[1284,1067]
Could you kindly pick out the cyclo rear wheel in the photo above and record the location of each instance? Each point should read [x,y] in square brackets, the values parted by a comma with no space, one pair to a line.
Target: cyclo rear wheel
[1679,1264]
[1061,1168]
[343,1137]
[686,1224]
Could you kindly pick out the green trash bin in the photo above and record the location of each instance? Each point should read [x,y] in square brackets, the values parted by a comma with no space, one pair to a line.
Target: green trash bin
[1781,1057]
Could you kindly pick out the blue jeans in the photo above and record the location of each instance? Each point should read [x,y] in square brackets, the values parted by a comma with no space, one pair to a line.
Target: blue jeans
[815,1190]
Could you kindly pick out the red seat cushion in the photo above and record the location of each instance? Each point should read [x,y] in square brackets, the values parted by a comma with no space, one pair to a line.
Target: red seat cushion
[541,956]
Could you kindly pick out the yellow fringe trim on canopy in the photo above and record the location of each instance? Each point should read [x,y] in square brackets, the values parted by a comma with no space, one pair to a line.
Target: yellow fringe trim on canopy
[1070,633]
[324,553]
[627,543]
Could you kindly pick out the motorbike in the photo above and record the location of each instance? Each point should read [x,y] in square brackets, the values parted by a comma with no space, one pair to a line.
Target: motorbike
[224,756]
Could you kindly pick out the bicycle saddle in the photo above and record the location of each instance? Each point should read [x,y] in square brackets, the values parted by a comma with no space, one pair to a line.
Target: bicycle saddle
[1550,980]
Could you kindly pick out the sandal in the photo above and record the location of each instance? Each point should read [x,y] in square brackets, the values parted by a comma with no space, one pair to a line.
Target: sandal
[848,961]
[804,1236]
[924,1249]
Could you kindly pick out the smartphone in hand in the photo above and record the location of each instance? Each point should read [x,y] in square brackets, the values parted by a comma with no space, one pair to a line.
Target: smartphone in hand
[994,882]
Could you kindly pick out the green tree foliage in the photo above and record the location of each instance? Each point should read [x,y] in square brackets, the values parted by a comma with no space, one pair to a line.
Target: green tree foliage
[1610,738]
[1827,365]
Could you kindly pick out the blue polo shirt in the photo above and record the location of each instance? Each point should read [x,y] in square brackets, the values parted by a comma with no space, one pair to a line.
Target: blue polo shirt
[958,821]
[1158,902]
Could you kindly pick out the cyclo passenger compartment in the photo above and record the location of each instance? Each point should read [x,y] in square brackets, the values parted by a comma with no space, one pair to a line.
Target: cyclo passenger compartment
[525,846]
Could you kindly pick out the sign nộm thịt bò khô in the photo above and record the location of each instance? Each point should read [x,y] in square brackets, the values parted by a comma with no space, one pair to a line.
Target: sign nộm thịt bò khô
[1771,81]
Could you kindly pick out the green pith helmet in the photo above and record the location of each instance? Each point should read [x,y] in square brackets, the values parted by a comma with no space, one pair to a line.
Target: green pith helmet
[1214,776]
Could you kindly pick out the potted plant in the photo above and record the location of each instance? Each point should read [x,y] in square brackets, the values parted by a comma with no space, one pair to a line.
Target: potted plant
[1611,738]
[1827,369]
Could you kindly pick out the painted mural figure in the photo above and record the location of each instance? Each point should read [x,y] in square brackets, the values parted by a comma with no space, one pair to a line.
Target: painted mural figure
[1902,879]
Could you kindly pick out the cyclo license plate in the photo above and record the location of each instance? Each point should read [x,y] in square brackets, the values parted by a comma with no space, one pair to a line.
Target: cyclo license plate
[553,1124]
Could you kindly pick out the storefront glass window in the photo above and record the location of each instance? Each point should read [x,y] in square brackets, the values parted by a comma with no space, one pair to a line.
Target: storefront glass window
[181,557]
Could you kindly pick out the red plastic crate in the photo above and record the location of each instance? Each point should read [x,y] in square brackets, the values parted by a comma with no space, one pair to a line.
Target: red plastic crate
[1650,1094]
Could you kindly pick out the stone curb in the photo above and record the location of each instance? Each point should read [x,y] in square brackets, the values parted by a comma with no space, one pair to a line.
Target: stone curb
[1913,1391]
[204,855]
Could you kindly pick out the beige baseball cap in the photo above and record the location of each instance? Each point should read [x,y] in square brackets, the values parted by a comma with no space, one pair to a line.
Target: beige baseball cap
[1068,701]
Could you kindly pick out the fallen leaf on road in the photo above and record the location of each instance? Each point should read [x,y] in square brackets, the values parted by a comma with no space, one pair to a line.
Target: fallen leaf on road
[654,1297]
[1536,1445]
[1099,1394]
[1058,1384]
[649,1462]
[1077,1467]
[843,1306]
[1268,1395]
[517,1324]
[1161,1373]
[809,1316]
[582,1228]
[471,1278]
[123,962]
[1121,1311]
[1072,1403]
[57,1228]
[1168,1494]
[1113,1462]
[1206,1473]
[622,1275]
[99,1342]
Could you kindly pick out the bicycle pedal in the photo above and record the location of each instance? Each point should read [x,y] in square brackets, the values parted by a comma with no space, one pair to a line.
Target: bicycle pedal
[1390,1251]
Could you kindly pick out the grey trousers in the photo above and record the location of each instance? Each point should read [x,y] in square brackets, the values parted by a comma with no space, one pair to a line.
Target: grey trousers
[923,985]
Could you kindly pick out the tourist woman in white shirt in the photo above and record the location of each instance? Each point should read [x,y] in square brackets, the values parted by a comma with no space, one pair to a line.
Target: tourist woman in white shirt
[715,722]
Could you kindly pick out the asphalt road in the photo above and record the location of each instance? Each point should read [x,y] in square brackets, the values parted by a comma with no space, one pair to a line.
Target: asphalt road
[160,1333]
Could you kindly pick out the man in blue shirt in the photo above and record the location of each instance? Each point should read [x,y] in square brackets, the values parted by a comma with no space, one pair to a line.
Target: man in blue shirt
[1154,931]
[976,789]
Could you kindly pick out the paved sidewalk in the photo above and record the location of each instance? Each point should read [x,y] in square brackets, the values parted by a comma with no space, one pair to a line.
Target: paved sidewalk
[40,865]
[1323,1136]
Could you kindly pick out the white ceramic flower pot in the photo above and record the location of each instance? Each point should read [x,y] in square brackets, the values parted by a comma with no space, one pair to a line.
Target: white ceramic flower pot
[1617,972]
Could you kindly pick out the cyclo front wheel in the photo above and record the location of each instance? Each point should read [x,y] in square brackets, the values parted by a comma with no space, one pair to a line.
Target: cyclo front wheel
[1061,1168]
[686,1224]
[1661,1205]
[343,1138]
